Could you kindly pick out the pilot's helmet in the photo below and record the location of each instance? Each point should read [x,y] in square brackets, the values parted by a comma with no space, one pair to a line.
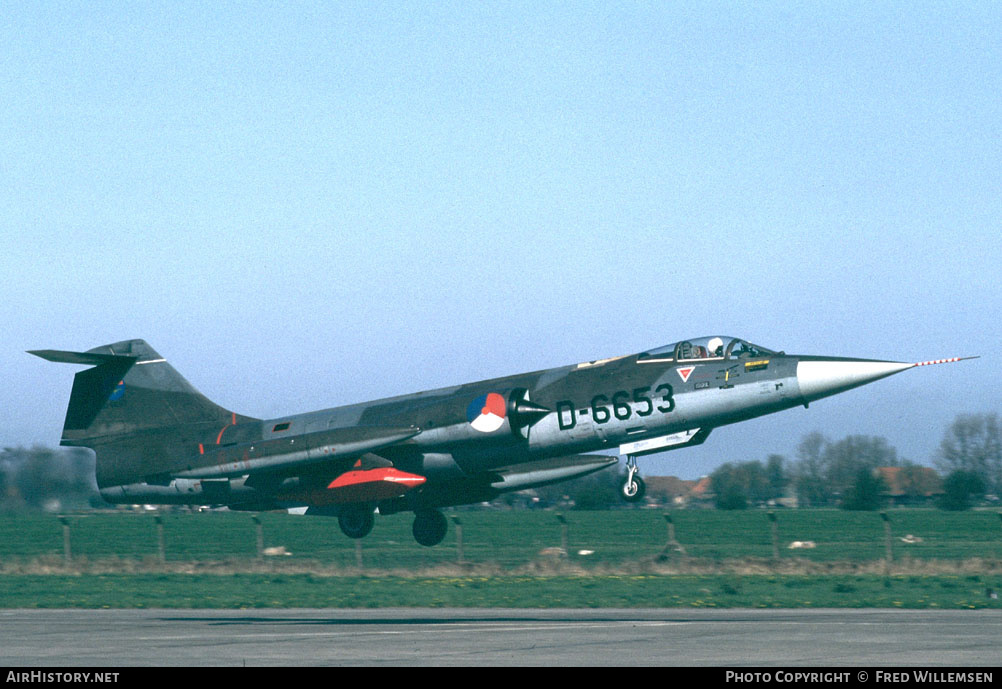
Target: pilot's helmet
[715,347]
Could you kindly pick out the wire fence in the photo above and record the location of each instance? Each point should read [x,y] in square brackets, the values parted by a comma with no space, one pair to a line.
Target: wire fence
[509,539]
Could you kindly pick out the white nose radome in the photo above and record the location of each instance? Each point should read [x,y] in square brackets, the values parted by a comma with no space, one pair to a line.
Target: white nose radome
[823,377]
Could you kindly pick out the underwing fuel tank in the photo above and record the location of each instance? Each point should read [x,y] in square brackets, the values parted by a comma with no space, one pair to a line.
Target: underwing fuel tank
[372,485]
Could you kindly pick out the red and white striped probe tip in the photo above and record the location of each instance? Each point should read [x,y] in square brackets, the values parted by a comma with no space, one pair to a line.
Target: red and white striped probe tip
[944,361]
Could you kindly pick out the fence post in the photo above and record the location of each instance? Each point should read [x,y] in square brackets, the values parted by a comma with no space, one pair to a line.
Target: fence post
[888,553]
[672,543]
[260,536]
[459,539]
[563,533]
[67,554]
[775,535]
[161,549]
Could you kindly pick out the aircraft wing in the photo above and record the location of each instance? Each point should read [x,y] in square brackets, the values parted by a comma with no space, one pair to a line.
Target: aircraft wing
[544,472]
[281,455]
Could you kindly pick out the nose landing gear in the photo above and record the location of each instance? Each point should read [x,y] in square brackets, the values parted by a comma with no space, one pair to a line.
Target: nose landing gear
[633,488]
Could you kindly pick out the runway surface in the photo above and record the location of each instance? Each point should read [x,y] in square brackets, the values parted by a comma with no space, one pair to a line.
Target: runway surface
[500,637]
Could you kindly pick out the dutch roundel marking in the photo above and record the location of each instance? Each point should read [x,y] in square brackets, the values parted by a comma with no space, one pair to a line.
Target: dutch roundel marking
[685,372]
[486,413]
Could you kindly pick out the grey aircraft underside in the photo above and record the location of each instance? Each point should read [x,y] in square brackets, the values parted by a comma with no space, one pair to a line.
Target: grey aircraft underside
[158,440]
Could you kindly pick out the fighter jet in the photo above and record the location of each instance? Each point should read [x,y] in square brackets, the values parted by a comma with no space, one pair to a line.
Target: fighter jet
[159,441]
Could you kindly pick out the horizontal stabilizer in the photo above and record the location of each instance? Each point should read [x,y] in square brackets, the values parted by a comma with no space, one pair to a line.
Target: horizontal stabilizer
[88,358]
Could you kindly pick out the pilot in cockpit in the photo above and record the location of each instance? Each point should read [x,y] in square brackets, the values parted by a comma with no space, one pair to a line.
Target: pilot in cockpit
[715,347]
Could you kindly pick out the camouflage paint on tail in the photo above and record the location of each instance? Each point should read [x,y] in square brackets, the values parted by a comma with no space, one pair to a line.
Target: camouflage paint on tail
[140,416]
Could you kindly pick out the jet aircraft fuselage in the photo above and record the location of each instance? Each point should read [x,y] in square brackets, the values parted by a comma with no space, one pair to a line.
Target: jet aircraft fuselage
[158,440]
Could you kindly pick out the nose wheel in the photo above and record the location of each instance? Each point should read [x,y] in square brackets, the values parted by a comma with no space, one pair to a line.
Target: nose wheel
[633,488]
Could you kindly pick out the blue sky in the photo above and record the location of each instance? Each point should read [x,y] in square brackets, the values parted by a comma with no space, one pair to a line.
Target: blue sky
[305,205]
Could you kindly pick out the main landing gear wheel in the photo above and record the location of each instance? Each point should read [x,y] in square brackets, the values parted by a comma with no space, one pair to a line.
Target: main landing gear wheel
[356,522]
[633,488]
[429,527]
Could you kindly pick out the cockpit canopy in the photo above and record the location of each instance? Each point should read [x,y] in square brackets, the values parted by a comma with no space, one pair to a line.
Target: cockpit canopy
[713,347]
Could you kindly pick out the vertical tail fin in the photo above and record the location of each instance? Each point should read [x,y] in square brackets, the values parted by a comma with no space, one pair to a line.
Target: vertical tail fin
[136,411]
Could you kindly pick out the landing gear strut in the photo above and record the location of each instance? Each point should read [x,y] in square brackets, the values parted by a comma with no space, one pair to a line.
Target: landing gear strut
[356,521]
[429,527]
[633,488]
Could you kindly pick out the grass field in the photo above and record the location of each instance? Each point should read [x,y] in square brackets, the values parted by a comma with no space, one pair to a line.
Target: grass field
[594,591]
[613,558]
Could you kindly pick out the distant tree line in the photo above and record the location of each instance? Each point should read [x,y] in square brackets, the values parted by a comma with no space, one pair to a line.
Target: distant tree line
[971,457]
[844,473]
[43,478]
[736,485]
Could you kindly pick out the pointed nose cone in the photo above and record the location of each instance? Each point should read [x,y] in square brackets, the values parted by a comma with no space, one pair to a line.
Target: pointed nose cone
[819,377]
